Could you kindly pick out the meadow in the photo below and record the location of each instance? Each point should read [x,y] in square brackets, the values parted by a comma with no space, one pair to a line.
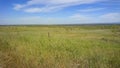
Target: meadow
[85,46]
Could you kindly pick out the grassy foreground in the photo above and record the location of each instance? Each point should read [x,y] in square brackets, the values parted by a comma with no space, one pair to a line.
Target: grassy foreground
[60,46]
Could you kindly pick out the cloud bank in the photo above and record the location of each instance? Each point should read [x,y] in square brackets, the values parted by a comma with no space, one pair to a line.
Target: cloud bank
[50,5]
[104,18]
[73,19]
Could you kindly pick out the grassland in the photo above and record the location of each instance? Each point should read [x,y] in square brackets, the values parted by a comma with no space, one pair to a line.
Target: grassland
[96,46]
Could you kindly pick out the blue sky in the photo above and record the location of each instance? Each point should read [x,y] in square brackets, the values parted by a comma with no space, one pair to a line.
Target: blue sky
[59,11]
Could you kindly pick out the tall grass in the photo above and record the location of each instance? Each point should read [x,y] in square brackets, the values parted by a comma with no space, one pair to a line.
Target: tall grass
[60,46]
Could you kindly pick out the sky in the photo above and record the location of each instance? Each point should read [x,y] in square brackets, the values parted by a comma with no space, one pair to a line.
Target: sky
[14,12]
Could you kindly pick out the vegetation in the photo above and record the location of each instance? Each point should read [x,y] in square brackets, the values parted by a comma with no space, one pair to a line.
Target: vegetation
[96,46]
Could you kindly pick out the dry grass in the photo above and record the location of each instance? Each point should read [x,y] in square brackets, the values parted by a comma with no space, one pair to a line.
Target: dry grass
[60,46]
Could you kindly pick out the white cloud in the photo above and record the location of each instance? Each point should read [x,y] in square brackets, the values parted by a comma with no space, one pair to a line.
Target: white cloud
[110,17]
[18,6]
[105,18]
[33,10]
[43,9]
[44,5]
[74,19]
[84,19]
[91,9]
[81,17]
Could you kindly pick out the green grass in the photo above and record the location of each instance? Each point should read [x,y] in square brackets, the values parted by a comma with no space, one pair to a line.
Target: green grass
[60,46]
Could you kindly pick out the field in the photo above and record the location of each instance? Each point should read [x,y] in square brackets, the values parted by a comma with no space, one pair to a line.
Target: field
[87,46]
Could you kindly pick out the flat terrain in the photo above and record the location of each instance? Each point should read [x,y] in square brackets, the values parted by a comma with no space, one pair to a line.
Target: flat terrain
[87,46]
